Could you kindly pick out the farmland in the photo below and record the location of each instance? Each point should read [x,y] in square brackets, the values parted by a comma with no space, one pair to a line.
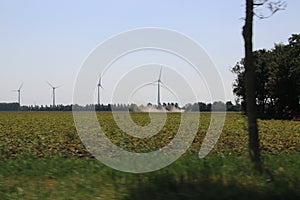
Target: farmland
[42,157]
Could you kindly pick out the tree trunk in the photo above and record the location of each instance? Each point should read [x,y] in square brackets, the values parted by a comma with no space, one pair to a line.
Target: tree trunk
[253,145]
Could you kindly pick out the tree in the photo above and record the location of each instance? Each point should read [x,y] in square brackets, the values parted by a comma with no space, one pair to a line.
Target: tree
[285,86]
[253,145]
[277,80]
[261,58]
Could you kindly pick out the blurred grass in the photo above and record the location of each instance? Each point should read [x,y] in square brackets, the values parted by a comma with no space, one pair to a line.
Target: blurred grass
[215,177]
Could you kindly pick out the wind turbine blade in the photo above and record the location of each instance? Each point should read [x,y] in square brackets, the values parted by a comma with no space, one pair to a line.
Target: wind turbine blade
[58,86]
[49,84]
[146,84]
[169,89]
[151,83]
[164,85]
[160,73]
[21,86]
[99,81]
[138,88]
[14,90]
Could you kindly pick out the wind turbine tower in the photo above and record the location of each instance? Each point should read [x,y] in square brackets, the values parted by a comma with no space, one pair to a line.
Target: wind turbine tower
[19,93]
[99,86]
[53,93]
[158,88]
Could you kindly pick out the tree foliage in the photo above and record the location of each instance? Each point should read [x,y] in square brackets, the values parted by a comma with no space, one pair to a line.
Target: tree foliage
[277,80]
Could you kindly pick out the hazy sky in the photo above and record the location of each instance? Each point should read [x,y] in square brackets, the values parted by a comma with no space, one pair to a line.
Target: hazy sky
[49,40]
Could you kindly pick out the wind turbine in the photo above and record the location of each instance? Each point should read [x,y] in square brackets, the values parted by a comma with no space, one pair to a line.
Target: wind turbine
[19,93]
[53,92]
[158,87]
[99,86]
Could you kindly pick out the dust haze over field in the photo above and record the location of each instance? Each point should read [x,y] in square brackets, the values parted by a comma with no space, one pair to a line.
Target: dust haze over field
[151,108]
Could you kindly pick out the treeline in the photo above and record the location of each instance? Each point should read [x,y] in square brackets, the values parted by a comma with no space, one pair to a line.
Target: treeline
[196,107]
[9,106]
[17,107]
[277,73]
[216,106]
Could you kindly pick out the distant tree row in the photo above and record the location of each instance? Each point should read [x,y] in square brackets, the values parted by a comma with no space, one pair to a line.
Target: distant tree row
[196,107]
[277,73]
[9,106]
[216,106]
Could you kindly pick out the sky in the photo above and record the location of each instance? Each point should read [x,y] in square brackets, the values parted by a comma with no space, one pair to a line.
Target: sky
[50,40]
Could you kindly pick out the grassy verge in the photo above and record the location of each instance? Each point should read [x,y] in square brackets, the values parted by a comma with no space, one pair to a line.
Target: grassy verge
[215,177]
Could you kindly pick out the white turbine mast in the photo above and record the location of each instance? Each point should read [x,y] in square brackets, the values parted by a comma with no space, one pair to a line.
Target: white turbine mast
[99,86]
[19,93]
[53,92]
[158,87]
